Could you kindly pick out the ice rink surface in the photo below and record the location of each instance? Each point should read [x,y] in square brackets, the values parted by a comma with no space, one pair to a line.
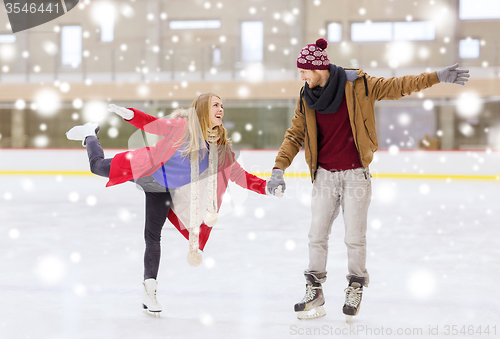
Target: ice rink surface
[71,264]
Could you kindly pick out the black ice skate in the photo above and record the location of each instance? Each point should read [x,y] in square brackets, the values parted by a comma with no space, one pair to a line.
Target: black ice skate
[353,295]
[311,305]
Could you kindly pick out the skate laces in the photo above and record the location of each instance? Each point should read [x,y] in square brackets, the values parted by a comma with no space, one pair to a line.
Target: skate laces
[152,297]
[353,296]
[310,293]
[151,294]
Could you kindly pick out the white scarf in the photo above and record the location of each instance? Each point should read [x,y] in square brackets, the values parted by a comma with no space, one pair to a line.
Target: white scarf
[194,256]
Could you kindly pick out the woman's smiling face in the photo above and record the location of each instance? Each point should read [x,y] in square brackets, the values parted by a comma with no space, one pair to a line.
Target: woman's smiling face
[216,111]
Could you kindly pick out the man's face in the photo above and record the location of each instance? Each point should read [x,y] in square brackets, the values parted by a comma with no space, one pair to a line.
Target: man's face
[312,77]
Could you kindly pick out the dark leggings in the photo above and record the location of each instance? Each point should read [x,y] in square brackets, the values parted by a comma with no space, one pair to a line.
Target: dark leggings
[157,207]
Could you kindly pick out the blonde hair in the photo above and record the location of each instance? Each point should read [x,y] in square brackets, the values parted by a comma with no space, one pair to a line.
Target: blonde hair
[199,125]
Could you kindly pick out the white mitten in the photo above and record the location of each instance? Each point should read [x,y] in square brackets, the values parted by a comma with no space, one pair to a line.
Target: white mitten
[125,113]
[278,191]
[276,185]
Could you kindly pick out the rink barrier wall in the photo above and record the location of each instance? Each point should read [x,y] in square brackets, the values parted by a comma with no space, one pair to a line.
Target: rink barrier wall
[408,164]
[292,175]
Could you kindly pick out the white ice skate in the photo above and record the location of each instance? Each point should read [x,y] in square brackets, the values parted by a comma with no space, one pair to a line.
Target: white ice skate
[151,306]
[81,132]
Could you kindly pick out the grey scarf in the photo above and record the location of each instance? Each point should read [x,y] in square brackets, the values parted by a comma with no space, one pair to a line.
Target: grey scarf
[327,99]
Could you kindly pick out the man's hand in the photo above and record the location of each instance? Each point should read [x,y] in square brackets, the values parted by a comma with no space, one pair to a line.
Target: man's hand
[453,75]
[276,185]
[125,113]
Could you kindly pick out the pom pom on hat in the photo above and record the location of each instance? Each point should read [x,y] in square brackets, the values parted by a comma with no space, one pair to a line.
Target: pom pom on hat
[314,57]
[321,43]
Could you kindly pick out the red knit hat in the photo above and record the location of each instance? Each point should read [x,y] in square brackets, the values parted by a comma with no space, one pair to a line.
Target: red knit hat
[314,56]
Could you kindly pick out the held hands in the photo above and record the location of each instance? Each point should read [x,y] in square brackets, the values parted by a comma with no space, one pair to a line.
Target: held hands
[453,75]
[125,113]
[276,185]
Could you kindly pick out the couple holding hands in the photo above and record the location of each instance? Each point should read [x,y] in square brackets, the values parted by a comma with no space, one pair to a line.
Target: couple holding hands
[185,174]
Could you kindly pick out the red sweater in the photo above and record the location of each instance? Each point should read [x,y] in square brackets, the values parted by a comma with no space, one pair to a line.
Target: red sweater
[336,148]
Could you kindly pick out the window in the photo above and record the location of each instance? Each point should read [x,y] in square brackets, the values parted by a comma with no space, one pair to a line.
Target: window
[334,32]
[388,31]
[108,27]
[479,9]
[104,14]
[216,57]
[195,24]
[416,121]
[7,38]
[71,45]
[469,49]
[374,31]
[252,41]
[418,30]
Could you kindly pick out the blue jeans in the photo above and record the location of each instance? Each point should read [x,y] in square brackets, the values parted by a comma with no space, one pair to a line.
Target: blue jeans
[351,191]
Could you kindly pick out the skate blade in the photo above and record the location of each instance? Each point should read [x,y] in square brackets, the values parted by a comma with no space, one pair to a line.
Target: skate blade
[152,314]
[316,312]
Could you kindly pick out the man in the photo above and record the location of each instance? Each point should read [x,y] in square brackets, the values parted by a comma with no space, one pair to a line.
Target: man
[335,118]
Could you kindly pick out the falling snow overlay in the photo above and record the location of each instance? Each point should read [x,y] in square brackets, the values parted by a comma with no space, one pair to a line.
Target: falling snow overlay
[71,257]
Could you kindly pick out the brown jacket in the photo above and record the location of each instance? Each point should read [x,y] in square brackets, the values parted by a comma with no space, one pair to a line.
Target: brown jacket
[361,94]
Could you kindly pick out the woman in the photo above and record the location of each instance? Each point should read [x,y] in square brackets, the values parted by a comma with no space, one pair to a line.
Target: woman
[184,176]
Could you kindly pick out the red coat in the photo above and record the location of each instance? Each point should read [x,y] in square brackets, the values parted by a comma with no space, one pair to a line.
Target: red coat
[145,161]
